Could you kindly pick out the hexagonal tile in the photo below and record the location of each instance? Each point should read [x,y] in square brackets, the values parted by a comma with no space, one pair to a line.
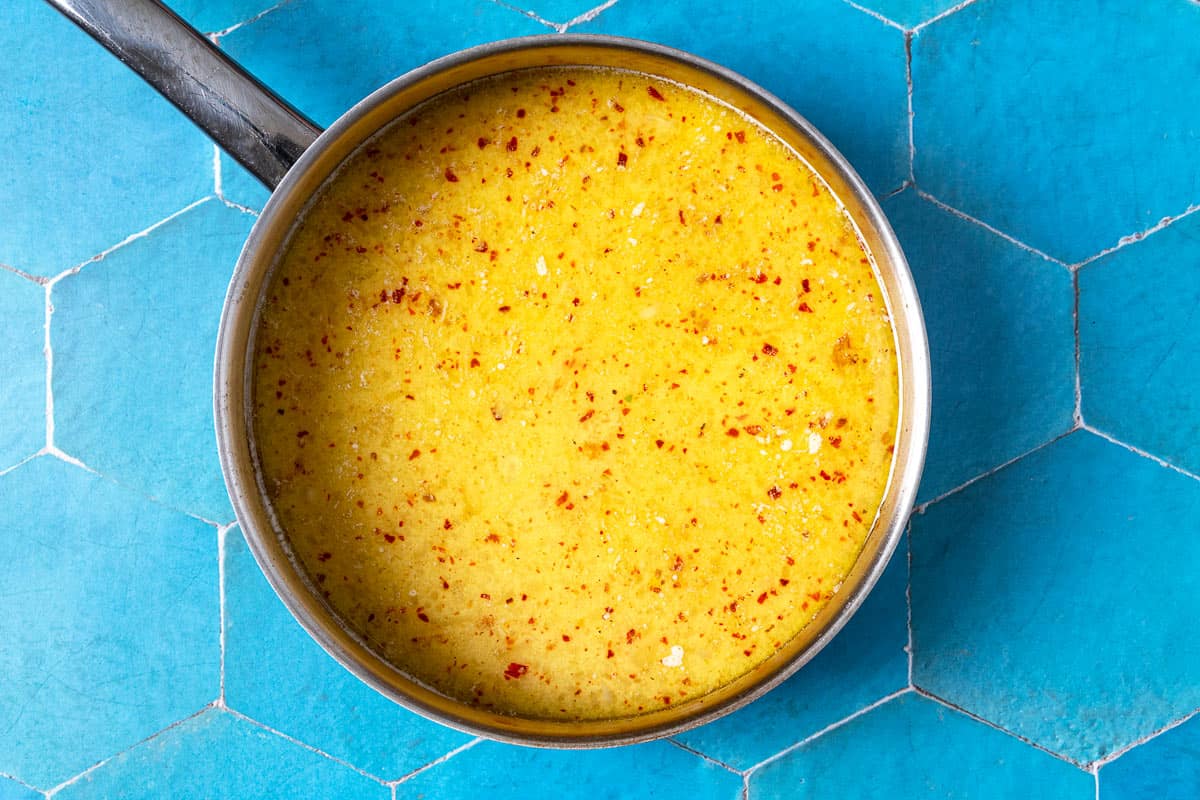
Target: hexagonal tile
[1139,332]
[211,16]
[866,661]
[110,620]
[908,13]
[840,68]
[286,49]
[71,190]
[11,790]
[275,673]
[23,390]
[216,755]
[1067,136]
[1165,768]
[493,771]
[914,747]
[558,12]
[133,339]
[1001,342]
[1055,597]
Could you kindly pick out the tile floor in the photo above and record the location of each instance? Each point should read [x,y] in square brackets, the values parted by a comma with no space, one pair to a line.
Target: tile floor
[1037,635]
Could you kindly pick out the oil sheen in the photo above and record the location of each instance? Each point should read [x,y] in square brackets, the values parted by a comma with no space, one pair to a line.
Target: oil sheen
[575,394]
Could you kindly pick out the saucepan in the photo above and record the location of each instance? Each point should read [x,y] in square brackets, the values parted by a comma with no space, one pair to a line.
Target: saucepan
[294,157]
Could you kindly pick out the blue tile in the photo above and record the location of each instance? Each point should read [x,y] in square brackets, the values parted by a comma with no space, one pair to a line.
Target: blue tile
[1066,125]
[840,68]
[1139,332]
[11,790]
[91,153]
[110,623]
[23,390]
[1165,768]
[290,49]
[493,771]
[1001,342]
[133,339]
[557,12]
[211,16]
[865,662]
[912,747]
[278,675]
[1055,597]
[240,187]
[909,13]
[218,756]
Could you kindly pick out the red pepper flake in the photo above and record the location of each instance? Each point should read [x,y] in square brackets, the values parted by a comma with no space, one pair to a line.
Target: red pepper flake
[566,638]
[659,443]
[389,538]
[620,109]
[520,113]
[447,525]
[493,537]
[650,90]
[514,671]
[784,581]
[734,432]
[562,498]
[805,307]
[474,362]
[770,349]
[774,493]
[760,278]
[301,434]
[414,454]
[826,475]
[482,247]
[450,176]
[856,516]
[421,615]
[804,285]
[483,142]
[835,441]
[505,309]
[511,147]
[682,219]
[630,635]
[753,430]
[762,598]
[611,654]
[778,187]
[587,415]
[622,159]
[324,556]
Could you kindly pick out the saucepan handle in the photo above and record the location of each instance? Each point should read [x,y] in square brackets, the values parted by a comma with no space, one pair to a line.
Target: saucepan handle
[245,118]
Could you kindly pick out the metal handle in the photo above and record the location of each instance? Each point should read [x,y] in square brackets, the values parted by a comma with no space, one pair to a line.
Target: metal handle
[256,127]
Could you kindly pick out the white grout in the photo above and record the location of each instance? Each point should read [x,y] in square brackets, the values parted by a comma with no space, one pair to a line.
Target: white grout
[218,189]
[1120,751]
[952,10]
[968,218]
[305,745]
[1077,416]
[1133,238]
[440,760]
[48,355]
[930,695]
[910,650]
[908,184]
[827,729]
[1138,451]
[557,27]
[716,762]
[215,36]
[29,276]
[870,12]
[223,617]
[588,15]
[908,80]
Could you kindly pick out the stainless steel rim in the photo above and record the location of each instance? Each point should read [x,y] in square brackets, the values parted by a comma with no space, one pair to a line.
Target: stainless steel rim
[235,346]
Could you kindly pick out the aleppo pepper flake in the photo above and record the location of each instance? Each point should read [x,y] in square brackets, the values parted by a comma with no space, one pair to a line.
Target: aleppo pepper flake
[650,90]
[511,146]
[450,176]
[622,159]
[514,671]
[587,415]
[770,350]
[805,307]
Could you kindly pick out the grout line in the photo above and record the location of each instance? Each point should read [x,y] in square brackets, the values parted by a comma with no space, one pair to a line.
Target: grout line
[873,13]
[218,188]
[588,15]
[1138,451]
[128,239]
[29,276]
[305,745]
[931,696]
[921,507]
[214,36]
[1113,756]
[716,762]
[69,781]
[17,465]
[437,761]
[239,207]
[1133,238]
[1078,413]
[908,80]
[745,787]
[967,217]
[557,27]
[908,184]
[52,450]
[908,601]
[222,534]
[827,729]
[1096,781]
[48,354]
[17,780]
[952,10]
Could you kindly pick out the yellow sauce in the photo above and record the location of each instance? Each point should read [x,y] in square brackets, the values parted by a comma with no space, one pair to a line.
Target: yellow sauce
[576,394]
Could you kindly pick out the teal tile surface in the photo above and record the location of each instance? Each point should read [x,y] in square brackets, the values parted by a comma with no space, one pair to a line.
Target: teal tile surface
[1034,591]
[212,16]
[1140,343]
[220,757]
[841,69]
[91,154]
[132,384]
[110,624]
[1165,768]
[290,49]
[865,662]
[240,187]
[276,674]
[912,747]
[1000,325]
[1067,135]
[493,771]
[558,12]
[11,790]
[909,13]
[23,389]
